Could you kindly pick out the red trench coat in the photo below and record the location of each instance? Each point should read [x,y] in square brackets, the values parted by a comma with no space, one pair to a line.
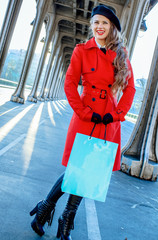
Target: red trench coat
[97,72]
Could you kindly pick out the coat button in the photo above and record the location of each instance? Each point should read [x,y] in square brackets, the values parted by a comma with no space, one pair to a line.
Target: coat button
[109,85]
[93,86]
[93,99]
[92,69]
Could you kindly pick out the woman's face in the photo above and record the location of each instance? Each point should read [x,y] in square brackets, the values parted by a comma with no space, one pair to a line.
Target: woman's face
[100,27]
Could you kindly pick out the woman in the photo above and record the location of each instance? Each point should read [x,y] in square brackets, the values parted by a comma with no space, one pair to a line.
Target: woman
[104,67]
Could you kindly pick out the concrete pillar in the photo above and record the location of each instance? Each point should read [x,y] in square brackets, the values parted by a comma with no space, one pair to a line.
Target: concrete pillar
[18,95]
[139,156]
[50,21]
[41,96]
[8,26]
[133,22]
[56,75]
[60,88]
[125,17]
[58,81]
[51,75]
[60,92]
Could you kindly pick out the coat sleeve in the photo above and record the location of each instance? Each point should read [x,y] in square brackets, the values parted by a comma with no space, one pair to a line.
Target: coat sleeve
[126,100]
[72,79]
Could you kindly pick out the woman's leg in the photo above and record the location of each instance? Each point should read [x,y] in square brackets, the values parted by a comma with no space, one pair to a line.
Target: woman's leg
[66,220]
[45,209]
[55,193]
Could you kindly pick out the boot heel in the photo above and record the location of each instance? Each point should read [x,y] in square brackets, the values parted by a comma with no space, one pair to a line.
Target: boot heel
[58,232]
[34,210]
[37,228]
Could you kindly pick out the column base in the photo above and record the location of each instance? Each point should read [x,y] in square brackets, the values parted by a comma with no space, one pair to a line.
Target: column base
[150,171]
[50,99]
[41,99]
[133,167]
[17,99]
[32,99]
[47,99]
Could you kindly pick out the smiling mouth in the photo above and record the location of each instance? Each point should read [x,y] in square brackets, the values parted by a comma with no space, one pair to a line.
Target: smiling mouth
[100,32]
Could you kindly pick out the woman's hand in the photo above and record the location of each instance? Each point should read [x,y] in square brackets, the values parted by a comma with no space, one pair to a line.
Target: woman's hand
[107,118]
[96,118]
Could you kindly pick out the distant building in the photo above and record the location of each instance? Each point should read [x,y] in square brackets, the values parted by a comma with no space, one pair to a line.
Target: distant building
[13,66]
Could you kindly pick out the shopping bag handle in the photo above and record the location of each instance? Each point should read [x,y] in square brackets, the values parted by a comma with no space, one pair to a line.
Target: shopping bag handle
[93,131]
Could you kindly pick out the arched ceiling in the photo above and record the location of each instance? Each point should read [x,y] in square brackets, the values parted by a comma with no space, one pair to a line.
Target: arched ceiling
[74,17]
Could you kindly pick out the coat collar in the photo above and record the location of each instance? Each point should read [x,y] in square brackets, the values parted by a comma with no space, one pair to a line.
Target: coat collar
[92,44]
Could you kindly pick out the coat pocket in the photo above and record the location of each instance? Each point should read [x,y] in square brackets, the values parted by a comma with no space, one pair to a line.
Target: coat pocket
[86,100]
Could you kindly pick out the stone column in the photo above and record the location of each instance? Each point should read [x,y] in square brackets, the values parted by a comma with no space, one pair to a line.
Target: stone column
[41,96]
[56,75]
[51,75]
[60,88]
[60,91]
[134,22]
[8,26]
[50,21]
[58,81]
[18,95]
[139,155]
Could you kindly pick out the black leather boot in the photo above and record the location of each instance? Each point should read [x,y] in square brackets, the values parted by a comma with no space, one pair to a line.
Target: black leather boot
[66,220]
[44,210]
[44,213]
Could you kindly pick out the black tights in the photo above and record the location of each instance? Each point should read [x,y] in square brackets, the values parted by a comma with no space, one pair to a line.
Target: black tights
[55,193]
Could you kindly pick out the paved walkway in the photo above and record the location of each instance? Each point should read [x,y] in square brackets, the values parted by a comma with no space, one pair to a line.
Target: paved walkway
[32,138]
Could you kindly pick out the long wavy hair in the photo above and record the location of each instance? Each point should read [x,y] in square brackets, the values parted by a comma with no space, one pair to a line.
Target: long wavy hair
[115,42]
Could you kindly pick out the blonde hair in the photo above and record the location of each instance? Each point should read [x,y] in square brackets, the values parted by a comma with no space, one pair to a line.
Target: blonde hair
[117,44]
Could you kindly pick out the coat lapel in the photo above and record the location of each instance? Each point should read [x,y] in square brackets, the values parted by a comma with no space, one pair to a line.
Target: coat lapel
[91,44]
[110,55]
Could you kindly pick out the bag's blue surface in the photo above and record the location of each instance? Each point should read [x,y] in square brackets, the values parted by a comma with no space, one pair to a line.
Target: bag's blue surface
[90,167]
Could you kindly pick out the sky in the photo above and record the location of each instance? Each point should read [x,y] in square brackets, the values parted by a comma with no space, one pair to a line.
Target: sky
[145,45]
[142,54]
[23,28]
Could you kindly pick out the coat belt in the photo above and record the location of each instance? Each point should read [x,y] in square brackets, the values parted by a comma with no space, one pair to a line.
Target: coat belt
[98,92]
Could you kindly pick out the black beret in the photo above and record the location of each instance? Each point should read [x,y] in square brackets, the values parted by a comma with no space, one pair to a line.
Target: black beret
[107,12]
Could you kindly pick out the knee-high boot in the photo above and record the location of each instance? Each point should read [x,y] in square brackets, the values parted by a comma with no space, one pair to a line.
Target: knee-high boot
[45,209]
[66,220]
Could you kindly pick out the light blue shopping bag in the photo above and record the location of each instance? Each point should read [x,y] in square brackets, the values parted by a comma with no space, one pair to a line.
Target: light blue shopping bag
[90,167]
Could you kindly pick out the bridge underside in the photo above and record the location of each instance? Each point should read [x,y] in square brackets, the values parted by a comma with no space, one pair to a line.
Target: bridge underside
[66,24]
